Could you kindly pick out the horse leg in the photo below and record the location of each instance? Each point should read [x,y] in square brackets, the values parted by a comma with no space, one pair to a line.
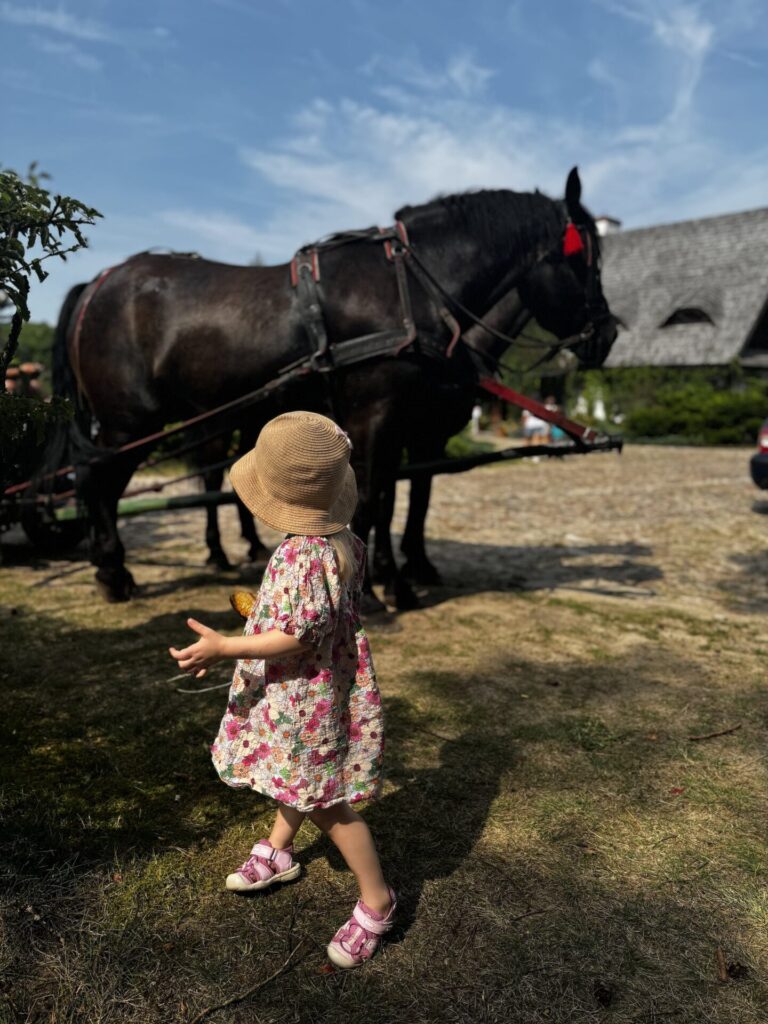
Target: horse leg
[383,555]
[418,567]
[375,505]
[212,481]
[397,589]
[257,552]
[361,525]
[100,487]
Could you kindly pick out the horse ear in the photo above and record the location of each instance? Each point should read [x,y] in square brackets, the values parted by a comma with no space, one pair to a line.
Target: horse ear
[573,193]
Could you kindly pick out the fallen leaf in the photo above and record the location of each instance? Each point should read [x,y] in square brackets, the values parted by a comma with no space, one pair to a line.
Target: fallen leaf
[327,969]
[117,877]
[677,790]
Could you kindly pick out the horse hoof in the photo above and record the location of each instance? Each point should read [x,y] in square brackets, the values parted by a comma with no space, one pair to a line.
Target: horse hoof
[380,573]
[422,573]
[219,560]
[115,588]
[404,597]
[371,605]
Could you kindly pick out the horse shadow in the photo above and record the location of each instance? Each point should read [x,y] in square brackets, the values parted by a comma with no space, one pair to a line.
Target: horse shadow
[746,589]
[428,826]
[613,570]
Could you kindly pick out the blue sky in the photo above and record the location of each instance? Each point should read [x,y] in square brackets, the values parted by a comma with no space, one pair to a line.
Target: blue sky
[237,127]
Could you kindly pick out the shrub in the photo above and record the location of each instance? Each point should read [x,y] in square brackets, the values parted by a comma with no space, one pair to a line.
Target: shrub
[699,413]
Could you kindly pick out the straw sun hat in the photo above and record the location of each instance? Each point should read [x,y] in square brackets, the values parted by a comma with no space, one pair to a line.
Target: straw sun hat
[298,478]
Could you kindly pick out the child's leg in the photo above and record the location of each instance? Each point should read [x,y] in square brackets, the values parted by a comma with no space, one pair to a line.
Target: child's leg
[287,824]
[352,837]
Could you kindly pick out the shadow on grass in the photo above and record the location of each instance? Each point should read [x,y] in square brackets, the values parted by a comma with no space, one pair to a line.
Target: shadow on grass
[620,570]
[429,826]
[746,590]
[511,908]
[615,570]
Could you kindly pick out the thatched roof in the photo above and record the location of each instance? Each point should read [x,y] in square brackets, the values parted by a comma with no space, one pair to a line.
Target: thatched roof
[716,267]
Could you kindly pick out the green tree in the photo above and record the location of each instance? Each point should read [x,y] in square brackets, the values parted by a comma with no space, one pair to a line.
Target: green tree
[35,225]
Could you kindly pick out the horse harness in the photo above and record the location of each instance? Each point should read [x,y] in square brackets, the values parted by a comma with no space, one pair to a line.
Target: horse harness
[306,279]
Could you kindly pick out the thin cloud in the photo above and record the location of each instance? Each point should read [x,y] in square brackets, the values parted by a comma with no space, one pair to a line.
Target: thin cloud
[58,20]
[462,75]
[220,233]
[680,28]
[71,53]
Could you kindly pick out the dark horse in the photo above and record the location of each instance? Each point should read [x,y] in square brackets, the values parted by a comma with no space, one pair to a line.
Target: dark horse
[160,339]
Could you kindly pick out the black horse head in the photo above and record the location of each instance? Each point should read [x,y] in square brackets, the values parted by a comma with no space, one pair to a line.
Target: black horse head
[563,290]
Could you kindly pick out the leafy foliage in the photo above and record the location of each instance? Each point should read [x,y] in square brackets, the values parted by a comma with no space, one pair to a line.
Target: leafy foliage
[35,225]
[701,414]
[35,343]
[690,405]
[25,426]
[35,346]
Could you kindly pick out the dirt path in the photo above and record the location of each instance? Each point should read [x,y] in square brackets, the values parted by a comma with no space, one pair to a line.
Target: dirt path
[672,525]
[677,526]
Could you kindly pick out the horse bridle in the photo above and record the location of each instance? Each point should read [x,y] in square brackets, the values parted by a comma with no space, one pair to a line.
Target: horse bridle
[576,239]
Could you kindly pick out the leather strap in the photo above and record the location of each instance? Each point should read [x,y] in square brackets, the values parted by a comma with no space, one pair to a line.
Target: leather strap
[310,299]
[370,923]
[279,859]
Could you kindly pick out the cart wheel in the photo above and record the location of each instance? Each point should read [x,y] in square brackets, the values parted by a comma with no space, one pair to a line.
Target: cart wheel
[52,536]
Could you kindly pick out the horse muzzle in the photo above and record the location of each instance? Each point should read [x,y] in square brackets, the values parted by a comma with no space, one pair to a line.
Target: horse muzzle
[597,338]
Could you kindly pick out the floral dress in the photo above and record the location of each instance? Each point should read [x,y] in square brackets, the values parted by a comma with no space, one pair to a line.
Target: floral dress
[306,729]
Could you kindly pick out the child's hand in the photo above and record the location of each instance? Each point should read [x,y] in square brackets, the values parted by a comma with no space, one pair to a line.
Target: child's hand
[198,657]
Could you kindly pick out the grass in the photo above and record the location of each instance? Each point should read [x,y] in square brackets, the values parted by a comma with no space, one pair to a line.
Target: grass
[563,852]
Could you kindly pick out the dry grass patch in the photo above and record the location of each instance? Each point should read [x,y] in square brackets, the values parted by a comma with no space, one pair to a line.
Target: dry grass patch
[563,851]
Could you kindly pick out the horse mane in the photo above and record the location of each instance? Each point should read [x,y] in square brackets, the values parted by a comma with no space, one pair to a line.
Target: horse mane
[516,222]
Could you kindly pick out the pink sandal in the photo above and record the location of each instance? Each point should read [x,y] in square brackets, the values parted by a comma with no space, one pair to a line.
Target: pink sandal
[356,941]
[264,867]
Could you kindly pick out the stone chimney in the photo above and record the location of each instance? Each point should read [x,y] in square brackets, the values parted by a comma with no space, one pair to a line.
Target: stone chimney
[607,225]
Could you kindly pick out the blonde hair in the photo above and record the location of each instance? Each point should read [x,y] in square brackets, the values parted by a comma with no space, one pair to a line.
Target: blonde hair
[344,545]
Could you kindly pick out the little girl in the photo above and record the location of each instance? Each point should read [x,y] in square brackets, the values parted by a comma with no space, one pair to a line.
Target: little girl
[303,722]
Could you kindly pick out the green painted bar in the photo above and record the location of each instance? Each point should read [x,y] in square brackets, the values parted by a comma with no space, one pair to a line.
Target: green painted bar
[139,506]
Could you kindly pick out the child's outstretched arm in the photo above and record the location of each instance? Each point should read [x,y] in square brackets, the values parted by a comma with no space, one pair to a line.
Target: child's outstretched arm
[212,647]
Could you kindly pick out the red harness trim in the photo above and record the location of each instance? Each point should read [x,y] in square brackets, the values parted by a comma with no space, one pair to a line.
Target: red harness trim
[586,434]
[314,263]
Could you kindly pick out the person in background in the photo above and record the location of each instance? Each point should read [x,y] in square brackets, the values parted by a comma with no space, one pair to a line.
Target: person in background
[477,412]
[556,434]
[534,428]
[29,378]
[12,380]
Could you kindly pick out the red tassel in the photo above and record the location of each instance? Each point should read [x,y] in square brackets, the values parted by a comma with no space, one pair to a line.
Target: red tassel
[572,242]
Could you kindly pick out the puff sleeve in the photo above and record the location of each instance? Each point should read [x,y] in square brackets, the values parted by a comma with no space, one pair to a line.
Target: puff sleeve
[306,589]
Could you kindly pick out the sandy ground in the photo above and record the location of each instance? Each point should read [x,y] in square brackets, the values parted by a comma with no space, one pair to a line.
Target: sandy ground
[671,527]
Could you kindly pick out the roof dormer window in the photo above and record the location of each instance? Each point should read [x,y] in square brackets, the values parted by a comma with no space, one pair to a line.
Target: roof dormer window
[688,315]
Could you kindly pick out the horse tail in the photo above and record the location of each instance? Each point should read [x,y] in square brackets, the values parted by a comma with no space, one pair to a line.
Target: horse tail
[61,446]
[64,382]
[73,444]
